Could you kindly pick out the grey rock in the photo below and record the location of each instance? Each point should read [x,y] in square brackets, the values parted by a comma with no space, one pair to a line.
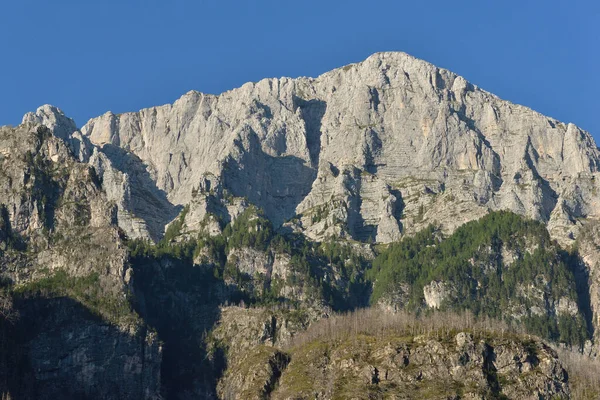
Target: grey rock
[56,217]
[396,141]
[436,293]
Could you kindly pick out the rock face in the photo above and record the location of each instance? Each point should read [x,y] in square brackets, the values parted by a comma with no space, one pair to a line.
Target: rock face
[54,207]
[436,292]
[385,146]
[424,367]
[72,356]
[124,178]
[64,261]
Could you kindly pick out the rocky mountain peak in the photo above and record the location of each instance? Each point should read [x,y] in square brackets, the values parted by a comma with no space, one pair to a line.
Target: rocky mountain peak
[385,146]
[53,118]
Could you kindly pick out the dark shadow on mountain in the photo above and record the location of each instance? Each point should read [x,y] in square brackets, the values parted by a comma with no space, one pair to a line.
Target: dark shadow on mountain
[182,302]
[312,112]
[374,98]
[358,228]
[9,239]
[372,151]
[275,184]
[582,285]
[398,211]
[147,201]
[17,380]
[496,173]
[490,371]
[349,290]
[550,197]
[356,224]
[58,349]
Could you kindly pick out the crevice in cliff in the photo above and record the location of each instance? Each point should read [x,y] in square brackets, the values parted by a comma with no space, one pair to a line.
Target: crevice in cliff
[582,284]
[147,201]
[490,372]
[312,112]
[372,150]
[278,363]
[357,225]
[549,196]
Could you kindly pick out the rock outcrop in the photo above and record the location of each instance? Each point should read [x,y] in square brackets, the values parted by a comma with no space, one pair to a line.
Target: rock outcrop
[423,367]
[436,293]
[72,355]
[63,260]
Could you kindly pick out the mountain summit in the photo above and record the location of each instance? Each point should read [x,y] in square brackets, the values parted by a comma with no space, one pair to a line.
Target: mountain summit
[380,148]
[131,248]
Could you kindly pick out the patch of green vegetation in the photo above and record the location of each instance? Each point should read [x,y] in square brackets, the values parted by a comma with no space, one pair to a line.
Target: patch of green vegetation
[470,260]
[367,126]
[319,213]
[251,229]
[410,181]
[258,380]
[141,248]
[420,213]
[86,289]
[168,245]
[174,229]
[352,288]
[298,377]
[330,271]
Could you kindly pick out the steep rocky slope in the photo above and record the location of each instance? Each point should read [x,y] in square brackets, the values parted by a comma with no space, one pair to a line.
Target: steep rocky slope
[130,246]
[64,264]
[382,147]
[423,368]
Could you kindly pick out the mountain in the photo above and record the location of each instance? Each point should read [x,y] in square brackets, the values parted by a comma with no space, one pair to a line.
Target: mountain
[390,183]
[373,143]
[67,329]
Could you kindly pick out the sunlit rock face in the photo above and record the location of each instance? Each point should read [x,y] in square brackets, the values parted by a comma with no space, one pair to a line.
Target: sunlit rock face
[386,145]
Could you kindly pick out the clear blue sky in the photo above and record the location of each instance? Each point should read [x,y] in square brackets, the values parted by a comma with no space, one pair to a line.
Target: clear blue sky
[88,57]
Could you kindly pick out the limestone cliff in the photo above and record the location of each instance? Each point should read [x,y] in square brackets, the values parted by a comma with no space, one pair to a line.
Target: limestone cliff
[385,146]
[63,262]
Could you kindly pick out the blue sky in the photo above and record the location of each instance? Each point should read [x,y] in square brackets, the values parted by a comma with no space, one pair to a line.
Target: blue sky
[88,57]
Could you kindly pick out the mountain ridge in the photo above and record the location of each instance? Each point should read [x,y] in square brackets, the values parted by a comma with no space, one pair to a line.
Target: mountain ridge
[138,134]
[374,55]
[390,183]
[126,130]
